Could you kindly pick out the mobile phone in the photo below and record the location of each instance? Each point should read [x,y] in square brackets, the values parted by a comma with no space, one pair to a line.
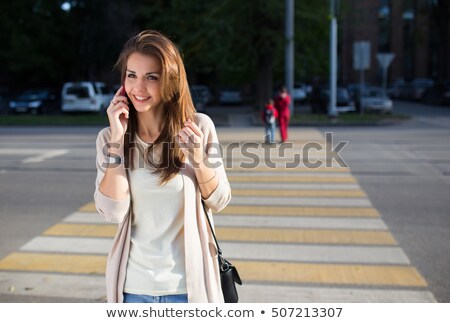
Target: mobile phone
[123,92]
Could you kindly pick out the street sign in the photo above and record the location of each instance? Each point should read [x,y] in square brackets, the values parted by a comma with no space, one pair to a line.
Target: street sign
[385,59]
[361,55]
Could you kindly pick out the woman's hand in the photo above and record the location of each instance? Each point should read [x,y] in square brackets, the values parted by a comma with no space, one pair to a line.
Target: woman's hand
[118,113]
[190,140]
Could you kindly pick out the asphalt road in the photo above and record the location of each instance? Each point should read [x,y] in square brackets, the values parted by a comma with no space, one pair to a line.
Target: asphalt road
[46,173]
[405,171]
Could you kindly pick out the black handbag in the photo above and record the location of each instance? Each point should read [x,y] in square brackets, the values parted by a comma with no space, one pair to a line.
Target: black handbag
[229,275]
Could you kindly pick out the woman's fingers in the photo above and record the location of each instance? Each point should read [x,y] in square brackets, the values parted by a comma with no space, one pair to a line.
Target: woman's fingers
[122,108]
[118,97]
[194,127]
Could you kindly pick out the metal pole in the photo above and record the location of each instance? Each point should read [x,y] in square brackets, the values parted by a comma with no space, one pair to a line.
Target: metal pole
[332,112]
[361,88]
[289,64]
[385,72]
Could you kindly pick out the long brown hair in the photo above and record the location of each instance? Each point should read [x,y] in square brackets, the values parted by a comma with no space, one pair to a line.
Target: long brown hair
[175,99]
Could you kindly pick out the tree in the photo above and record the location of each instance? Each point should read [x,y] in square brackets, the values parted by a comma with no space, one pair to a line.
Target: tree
[224,43]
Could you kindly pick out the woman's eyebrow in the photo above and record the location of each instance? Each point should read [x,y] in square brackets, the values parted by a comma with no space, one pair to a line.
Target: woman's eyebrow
[145,74]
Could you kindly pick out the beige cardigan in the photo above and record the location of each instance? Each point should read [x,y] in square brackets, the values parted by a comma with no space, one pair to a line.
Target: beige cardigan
[202,272]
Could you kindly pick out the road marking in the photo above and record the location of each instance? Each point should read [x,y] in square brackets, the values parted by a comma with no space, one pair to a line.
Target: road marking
[84,217]
[330,274]
[306,236]
[92,287]
[284,293]
[348,254]
[276,169]
[298,193]
[301,201]
[57,263]
[39,154]
[74,245]
[284,211]
[249,270]
[247,234]
[225,220]
[324,233]
[82,230]
[300,211]
[295,186]
[260,251]
[48,154]
[283,175]
[290,179]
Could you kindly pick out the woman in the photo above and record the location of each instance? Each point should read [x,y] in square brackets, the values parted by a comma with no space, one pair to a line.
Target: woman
[155,165]
[282,102]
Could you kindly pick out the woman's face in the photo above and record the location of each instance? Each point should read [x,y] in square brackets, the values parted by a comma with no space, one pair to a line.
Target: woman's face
[142,81]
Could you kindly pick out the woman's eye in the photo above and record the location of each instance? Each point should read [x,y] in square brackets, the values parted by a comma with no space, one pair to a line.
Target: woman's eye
[153,78]
[131,75]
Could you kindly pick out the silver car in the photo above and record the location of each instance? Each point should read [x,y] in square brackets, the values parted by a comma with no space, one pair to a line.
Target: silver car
[374,99]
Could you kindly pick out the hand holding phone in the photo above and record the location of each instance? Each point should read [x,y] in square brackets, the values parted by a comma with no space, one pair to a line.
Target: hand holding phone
[118,114]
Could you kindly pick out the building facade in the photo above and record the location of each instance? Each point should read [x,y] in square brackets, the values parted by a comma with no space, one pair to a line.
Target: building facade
[417,32]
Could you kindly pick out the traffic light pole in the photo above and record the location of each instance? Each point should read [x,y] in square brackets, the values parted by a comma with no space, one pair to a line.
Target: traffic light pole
[289,54]
[332,111]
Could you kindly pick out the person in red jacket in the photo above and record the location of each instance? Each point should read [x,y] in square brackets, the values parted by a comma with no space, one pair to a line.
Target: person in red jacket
[282,102]
[268,115]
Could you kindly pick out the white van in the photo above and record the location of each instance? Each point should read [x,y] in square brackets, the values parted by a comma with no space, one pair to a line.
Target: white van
[85,96]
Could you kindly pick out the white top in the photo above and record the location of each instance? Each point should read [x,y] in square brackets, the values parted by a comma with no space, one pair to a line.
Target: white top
[156,265]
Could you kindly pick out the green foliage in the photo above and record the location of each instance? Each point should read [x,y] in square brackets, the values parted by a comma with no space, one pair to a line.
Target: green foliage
[224,42]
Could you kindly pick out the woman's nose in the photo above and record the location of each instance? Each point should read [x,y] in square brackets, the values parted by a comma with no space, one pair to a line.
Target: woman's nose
[140,84]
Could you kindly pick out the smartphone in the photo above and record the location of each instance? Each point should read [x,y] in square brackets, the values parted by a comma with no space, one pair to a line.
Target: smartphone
[123,92]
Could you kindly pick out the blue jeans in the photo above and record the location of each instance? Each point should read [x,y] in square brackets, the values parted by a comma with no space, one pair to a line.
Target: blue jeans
[135,298]
[269,135]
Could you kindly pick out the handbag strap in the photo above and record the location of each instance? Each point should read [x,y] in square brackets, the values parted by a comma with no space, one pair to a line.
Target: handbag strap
[219,251]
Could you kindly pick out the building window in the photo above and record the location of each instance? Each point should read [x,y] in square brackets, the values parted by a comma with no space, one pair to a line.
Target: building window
[384,22]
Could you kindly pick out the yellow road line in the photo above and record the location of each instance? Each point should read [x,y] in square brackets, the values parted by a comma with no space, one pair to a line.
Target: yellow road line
[89,207]
[246,234]
[300,193]
[296,169]
[284,211]
[82,230]
[306,236]
[290,179]
[330,273]
[300,211]
[249,270]
[59,263]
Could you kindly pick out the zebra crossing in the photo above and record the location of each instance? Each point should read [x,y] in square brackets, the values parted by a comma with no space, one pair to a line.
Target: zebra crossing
[295,234]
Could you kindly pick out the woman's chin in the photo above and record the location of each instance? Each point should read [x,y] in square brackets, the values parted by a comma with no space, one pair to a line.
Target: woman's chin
[143,107]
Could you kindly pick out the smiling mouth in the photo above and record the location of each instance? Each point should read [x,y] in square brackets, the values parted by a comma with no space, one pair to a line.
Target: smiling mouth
[141,98]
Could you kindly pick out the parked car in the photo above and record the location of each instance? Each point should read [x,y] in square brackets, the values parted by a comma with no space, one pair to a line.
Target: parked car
[230,97]
[344,102]
[354,89]
[203,92]
[35,101]
[398,89]
[85,96]
[419,86]
[438,94]
[201,96]
[374,99]
[300,93]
